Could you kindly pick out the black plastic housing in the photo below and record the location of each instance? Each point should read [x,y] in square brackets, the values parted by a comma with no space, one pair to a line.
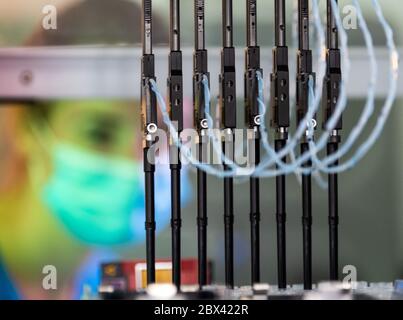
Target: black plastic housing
[148,97]
[304,67]
[200,70]
[331,87]
[251,90]
[227,80]
[280,102]
[175,89]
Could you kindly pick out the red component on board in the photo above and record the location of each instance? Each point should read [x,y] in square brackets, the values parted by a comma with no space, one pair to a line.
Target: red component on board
[131,275]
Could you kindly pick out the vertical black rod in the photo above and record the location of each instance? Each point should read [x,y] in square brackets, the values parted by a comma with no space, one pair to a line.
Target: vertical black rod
[175,89]
[307,222]
[229,227]
[280,23]
[174,34]
[332,32]
[150,126]
[176,226]
[255,216]
[147,27]
[331,96]
[227,23]
[251,23]
[280,122]
[252,119]
[333,217]
[304,76]
[333,43]
[228,111]
[150,219]
[202,220]
[199,25]
[229,231]
[200,72]
[281,222]
[303,24]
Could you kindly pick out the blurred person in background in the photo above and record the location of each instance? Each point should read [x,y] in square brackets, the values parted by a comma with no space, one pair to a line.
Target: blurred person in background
[71,171]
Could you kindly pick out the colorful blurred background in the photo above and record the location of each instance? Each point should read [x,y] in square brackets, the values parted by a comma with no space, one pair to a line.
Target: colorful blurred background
[58,158]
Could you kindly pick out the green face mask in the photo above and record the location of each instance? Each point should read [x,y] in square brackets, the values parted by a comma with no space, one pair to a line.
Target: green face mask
[99,200]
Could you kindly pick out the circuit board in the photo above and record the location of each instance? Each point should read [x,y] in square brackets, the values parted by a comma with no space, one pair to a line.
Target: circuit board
[322,291]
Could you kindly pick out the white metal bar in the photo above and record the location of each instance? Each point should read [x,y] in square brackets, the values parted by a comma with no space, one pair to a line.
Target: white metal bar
[114,73]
